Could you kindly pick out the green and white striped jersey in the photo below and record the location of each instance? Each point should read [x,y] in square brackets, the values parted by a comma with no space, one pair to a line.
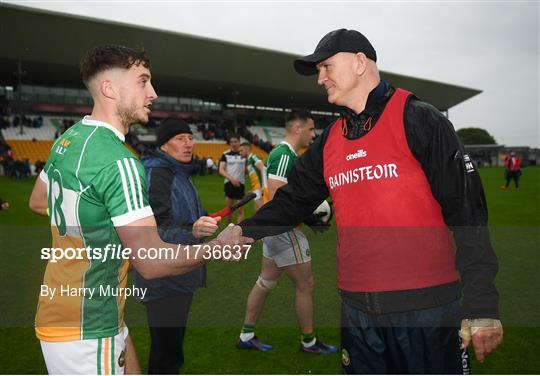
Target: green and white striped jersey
[280,161]
[94,184]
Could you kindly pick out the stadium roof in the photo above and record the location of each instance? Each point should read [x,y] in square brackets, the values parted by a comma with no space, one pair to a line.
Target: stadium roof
[49,46]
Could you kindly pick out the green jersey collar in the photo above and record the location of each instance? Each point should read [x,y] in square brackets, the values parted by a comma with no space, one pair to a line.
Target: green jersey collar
[87,121]
[289,145]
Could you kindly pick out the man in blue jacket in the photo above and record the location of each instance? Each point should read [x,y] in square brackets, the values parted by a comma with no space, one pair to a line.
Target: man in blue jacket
[180,219]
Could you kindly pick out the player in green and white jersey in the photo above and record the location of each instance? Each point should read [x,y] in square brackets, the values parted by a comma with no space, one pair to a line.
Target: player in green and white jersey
[256,173]
[287,252]
[95,192]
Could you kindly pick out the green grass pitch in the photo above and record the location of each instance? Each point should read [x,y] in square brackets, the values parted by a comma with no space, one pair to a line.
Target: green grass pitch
[218,310]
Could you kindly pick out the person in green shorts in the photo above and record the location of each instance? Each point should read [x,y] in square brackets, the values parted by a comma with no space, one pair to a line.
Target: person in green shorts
[256,173]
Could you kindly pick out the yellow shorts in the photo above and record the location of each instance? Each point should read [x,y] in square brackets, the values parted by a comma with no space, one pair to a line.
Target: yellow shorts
[255,184]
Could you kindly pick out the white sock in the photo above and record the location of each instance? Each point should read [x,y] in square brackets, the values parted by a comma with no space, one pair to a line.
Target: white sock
[244,337]
[310,343]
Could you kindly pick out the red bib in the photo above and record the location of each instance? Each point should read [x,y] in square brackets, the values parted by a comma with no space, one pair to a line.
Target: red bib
[391,233]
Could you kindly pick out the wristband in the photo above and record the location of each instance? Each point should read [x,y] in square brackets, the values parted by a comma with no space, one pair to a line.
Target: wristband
[470,327]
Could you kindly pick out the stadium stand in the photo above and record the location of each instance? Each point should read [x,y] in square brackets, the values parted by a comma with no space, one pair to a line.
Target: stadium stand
[45,132]
[215,150]
[32,143]
[35,143]
[33,150]
[38,150]
[274,135]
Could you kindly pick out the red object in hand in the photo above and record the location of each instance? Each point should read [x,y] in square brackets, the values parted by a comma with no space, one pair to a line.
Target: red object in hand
[222,213]
[227,211]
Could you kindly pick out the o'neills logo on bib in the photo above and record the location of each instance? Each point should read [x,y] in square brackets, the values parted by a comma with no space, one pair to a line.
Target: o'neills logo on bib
[359,154]
[360,174]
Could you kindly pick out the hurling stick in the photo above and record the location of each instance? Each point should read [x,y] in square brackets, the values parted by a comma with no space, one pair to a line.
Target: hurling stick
[228,210]
[247,198]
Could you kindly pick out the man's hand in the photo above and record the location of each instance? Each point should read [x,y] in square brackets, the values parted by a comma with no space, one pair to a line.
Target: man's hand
[205,226]
[232,236]
[258,194]
[234,181]
[261,194]
[486,335]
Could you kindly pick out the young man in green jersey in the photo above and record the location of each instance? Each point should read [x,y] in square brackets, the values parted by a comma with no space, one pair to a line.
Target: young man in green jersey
[95,192]
[256,173]
[288,252]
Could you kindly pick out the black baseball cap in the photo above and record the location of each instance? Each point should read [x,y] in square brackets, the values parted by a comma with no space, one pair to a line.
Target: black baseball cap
[341,40]
[169,128]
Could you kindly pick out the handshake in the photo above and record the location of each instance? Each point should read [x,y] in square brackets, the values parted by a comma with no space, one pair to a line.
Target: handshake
[231,236]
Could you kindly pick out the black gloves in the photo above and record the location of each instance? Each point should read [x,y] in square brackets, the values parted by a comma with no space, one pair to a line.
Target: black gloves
[315,223]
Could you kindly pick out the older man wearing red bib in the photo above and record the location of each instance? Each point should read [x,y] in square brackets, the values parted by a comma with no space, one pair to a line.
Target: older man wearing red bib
[411,220]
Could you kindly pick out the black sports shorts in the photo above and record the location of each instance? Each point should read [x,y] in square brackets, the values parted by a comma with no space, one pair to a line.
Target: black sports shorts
[234,192]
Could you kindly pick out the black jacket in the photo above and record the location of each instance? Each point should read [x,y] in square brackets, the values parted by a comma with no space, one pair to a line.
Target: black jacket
[455,184]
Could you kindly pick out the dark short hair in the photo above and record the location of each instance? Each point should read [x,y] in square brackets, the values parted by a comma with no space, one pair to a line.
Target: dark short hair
[109,56]
[297,115]
[233,135]
[247,144]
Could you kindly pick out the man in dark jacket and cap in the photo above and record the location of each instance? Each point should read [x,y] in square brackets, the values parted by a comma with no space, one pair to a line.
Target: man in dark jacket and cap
[411,221]
[180,219]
